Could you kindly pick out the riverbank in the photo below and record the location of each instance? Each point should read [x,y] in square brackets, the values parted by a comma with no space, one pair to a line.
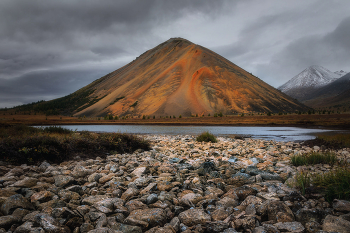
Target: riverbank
[338,121]
[180,185]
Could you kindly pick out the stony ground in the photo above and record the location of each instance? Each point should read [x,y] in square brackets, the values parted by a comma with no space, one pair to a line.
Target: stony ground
[179,186]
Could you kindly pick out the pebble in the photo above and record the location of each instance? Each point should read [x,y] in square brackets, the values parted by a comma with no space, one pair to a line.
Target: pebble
[180,185]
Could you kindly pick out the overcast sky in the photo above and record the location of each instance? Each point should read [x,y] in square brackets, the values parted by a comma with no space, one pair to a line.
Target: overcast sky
[49,49]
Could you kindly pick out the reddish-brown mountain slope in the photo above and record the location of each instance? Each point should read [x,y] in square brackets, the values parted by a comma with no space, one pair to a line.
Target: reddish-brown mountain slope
[179,77]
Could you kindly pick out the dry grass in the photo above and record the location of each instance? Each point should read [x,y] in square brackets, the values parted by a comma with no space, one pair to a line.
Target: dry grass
[339,120]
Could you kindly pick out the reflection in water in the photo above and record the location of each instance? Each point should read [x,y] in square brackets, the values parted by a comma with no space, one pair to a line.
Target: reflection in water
[267,133]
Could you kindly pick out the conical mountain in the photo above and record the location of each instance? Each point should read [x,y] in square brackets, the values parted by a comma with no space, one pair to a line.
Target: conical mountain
[179,77]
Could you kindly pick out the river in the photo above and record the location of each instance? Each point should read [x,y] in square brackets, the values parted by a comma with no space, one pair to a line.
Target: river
[267,133]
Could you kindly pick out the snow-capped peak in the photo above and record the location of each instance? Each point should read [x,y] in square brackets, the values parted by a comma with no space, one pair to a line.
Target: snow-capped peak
[341,73]
[314,76]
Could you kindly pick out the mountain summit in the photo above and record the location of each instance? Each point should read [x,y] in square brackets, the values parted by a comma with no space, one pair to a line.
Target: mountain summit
[179,77]
[308,80]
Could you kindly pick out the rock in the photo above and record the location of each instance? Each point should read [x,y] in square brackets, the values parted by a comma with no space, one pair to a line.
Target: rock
[86,227]
[107,205]
[28,227]
[112,223]
[190,199]
[106,178]
[152,199]
[312,227]
[218,226]
[341,205]
[104,230]
[130,192]
[276,211]
[335,224]
[7,221]
[227,202]
[219,215]
[139,171]
[266,228]
[290,226]
[63,181]
[94,177]
[49,224]
[26,182]
[308,215]
[244,191]
[14,202]
[91,200]
[193,217]
[146,218]
[80,171]
[42,196]
[247,223]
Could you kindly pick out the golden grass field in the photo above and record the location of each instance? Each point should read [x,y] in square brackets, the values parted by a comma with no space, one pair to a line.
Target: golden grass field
[326,120]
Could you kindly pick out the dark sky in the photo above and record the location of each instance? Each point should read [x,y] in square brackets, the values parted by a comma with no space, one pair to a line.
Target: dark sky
[49,49]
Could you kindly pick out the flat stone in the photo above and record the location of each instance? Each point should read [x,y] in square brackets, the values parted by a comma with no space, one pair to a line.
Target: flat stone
[27,182]
[290,227]
[91,200]
[193,217]
[42,196]
[341,205]
[14,202]
[63,181]
[139,171]
[146,218]
[335,224]
[7,221]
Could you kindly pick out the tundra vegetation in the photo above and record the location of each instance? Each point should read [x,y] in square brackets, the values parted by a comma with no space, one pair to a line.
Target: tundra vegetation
[335,183]
[28,145]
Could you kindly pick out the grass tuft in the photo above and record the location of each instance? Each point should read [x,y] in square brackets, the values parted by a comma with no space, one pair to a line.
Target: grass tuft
[206,137]
[314,158]
[336,184]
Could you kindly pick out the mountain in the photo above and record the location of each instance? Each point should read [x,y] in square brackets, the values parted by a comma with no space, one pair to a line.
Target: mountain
[335,94]
[176,77]
[309,80]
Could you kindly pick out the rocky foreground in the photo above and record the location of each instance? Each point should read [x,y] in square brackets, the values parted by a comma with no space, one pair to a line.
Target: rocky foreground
[179,186]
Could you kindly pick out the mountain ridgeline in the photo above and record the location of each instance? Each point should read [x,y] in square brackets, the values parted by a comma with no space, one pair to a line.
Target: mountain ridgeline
[178,77]
[318,87]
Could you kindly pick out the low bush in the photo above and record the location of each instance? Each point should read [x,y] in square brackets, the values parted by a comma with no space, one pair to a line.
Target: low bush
[206,137]
[313,158]
[57,145]
[335,184]
[302,181]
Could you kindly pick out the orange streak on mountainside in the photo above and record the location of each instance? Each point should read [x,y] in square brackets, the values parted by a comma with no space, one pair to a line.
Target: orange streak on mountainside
[179,77]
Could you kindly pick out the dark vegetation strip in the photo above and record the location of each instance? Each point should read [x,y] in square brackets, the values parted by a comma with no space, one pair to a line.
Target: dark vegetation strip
[28,145]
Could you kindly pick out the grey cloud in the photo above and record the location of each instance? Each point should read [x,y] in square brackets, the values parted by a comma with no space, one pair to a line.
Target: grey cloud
[46,44]
[331,51]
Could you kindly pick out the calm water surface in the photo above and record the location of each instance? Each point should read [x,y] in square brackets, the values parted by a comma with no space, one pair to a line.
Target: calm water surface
[267,133]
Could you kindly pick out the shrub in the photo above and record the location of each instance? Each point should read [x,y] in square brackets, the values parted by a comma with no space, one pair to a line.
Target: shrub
[57,129]
[302,181]
[206,137]
[335,184]
[56,145]
[220,114]
[313,158]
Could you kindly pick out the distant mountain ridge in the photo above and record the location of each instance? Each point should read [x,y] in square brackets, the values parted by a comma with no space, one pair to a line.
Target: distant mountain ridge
[315,84]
